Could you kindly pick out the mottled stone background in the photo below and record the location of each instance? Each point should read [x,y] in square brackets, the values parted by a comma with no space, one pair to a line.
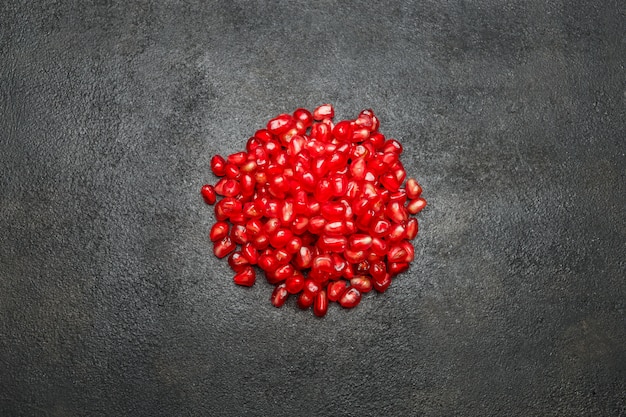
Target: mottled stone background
[512,114]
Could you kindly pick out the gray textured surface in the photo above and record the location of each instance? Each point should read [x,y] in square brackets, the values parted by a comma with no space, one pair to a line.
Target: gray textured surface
[512,114]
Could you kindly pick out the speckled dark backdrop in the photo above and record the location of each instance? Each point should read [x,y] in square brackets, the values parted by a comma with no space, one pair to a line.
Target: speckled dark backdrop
[512,114]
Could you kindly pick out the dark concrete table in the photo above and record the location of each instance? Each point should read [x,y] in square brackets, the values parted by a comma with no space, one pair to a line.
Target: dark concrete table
[512,115]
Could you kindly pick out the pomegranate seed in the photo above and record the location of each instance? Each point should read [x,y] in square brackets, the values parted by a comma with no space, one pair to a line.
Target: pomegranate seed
[350,298]
[332,243]
[324,111]
[413,189]
[238,158]
[295,283]
[223,247]
[396,212]
[360,242]
[280,238]
[267,262]
[245,277]
[218,165]
[415,206]
[382,284]
[219,231]
[261,241]
[304,258]
[231,171]
[396,268]
[208,193]
[250,253]
[237,261]
[305,300]
[307,194]
[280,124]
[378,269]
[238,234]
[320,306]
[411,228]
[279,295]
[304,116]
[284,272]
[361,283]
[380,227]
[379,246]
[336,289]
[354,256]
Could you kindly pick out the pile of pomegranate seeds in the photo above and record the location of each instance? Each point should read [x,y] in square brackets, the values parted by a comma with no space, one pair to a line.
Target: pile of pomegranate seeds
[318,206]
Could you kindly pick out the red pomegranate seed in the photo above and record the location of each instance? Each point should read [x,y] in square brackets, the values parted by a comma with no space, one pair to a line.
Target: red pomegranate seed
[396,268]
[295,283]
[280,124]
[304,116]
[361,283]
[305,300]
[336,289]
[413,189]
[332,243]
[415,206]
[284,272]
[267,262]
[350,298]
[279,295]
[245,277]
[237,261]
[208,193]
[218,165]
[304,258]
[223,247]
[320,305]
[238,234]
[381,284]
[238,158]
[250,253]
[324,111]
[412,228]
[378,269]
[219,231]
[319,206]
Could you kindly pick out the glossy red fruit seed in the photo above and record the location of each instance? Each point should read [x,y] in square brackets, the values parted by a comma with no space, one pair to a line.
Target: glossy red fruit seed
[361,283]
[246,277]
[250,253]
[360,242]
[304,116]
[218,165]
[350,298]
[320,305]
[280,124]
[219,231]
[413,189]
[223,247]
[279,295]
[336,289]
[295,283]
[318,206]
[208,193]
[412,227]
[305,300]
[415,206]
[325,111]
[396,268]
[381,284]
[237,261]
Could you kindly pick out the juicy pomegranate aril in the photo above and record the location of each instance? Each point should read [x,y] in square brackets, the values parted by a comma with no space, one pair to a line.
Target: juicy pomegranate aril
[325,210]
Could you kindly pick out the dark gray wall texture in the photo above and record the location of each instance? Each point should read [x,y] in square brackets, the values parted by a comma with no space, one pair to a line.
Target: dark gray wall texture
[512,115]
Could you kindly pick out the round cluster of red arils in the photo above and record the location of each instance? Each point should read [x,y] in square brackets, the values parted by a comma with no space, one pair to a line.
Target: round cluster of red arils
[318,206]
